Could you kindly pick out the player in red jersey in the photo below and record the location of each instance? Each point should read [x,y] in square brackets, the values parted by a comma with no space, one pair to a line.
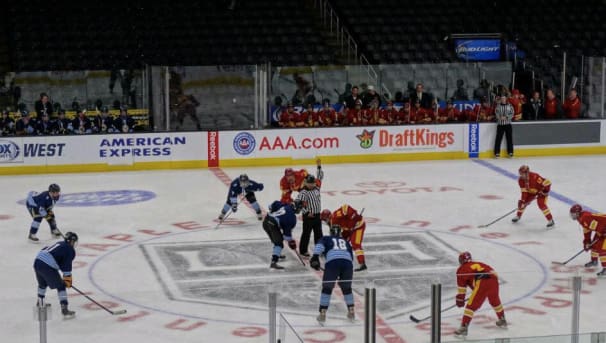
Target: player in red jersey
[533,186]
[294,181]
[596,223]
[352,229]
[484,284]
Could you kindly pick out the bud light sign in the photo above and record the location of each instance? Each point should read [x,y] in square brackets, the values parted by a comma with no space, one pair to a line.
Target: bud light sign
[478,49]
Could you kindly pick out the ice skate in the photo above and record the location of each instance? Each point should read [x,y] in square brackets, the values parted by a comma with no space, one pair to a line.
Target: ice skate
[321,318]
[362,267]
[602,274]
[461,332]
[502,323]
[282,257]
[275,265]
[67,313]
[221,216]
[260,215]
[592,263]
[32,238]
[56,233]
[550,224]
[351,314]
[515,219]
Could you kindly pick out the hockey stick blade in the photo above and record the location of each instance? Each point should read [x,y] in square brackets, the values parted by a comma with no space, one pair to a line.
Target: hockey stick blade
[414,319]
[119,312]
[558,263]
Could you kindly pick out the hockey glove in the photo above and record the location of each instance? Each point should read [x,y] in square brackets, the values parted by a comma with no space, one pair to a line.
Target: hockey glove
[49,215]
[314,262]
[234,204]
[67,279]
[42,212]
[292,244]
[460,300]
[298,206]
[261,187]
[587,244]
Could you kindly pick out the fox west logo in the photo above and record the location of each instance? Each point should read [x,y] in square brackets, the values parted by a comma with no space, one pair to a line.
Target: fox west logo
[366,138]
[9,151]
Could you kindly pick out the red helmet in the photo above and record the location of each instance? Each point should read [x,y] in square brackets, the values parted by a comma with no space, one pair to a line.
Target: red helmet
[289,172]
[465,256]
[325,215]
[575,211]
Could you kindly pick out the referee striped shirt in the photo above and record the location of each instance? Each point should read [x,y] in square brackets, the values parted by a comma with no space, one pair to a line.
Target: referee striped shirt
[312,199]
[504,113]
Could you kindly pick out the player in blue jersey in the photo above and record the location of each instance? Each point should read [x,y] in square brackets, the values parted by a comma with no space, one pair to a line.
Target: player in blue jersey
[278,224]
[49,261]
[337,269]
[238,186]
[40,206]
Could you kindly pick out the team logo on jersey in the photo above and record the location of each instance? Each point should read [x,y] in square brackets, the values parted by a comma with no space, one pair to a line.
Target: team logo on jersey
[104,198]
[366,138]
[9,151]
[244,143]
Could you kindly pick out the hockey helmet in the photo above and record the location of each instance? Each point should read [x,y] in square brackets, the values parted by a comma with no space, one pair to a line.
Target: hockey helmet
[524,169]
[464,257]
[244,181]
[335,230]
[54,188]
[575,211]
[289,172]
[310,180]
[325,215]
[71,237]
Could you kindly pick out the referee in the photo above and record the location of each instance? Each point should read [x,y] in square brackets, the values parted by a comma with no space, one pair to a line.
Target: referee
[504,113]
[309,197]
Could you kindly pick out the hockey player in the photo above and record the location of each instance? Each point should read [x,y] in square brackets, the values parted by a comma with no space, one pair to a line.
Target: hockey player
[484,284]
[294,181]
[352,225]
[533,185]
[40,206]
[278,224]
[240,185]
[49,261]
[338,269]
[596,223]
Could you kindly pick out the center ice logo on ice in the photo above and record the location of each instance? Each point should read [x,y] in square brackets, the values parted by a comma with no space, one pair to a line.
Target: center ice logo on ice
[366,138]
[104,198]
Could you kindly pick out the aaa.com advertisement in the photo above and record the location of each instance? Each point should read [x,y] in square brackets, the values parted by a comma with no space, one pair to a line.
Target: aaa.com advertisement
[307,143]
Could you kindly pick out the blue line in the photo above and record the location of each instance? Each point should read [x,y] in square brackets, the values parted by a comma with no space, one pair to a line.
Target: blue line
[555,195]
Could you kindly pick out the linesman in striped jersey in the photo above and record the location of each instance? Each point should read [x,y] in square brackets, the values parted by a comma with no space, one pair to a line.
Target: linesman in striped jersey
[309,202]
[504,113]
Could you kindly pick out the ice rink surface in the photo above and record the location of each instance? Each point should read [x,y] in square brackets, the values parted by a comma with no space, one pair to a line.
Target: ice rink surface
[149,244]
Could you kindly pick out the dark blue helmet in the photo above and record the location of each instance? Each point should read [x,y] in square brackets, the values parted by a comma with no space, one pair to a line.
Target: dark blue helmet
[71,237]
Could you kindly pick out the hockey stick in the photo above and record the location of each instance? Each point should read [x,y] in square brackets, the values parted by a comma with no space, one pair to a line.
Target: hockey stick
[299,256]
[115,313]
[496,220]
[418,320]
[573,257]
[229,212]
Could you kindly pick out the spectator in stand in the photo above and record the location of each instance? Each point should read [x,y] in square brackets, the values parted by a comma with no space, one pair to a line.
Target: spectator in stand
[484,111]
[350,101]
[460,93]
[410,91]
[7,124]
[387,115]
[517,103]
[81,124]
[552,107]
[353,116]
[44,126]
[26,126]
[504,114]
[533,109]
[62,125]
[424,99]
[483,91]
[43,106]
[345,94]
[369,96]
[124,123]
[103,123]
[288,116]
[328,116]
[572,105]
